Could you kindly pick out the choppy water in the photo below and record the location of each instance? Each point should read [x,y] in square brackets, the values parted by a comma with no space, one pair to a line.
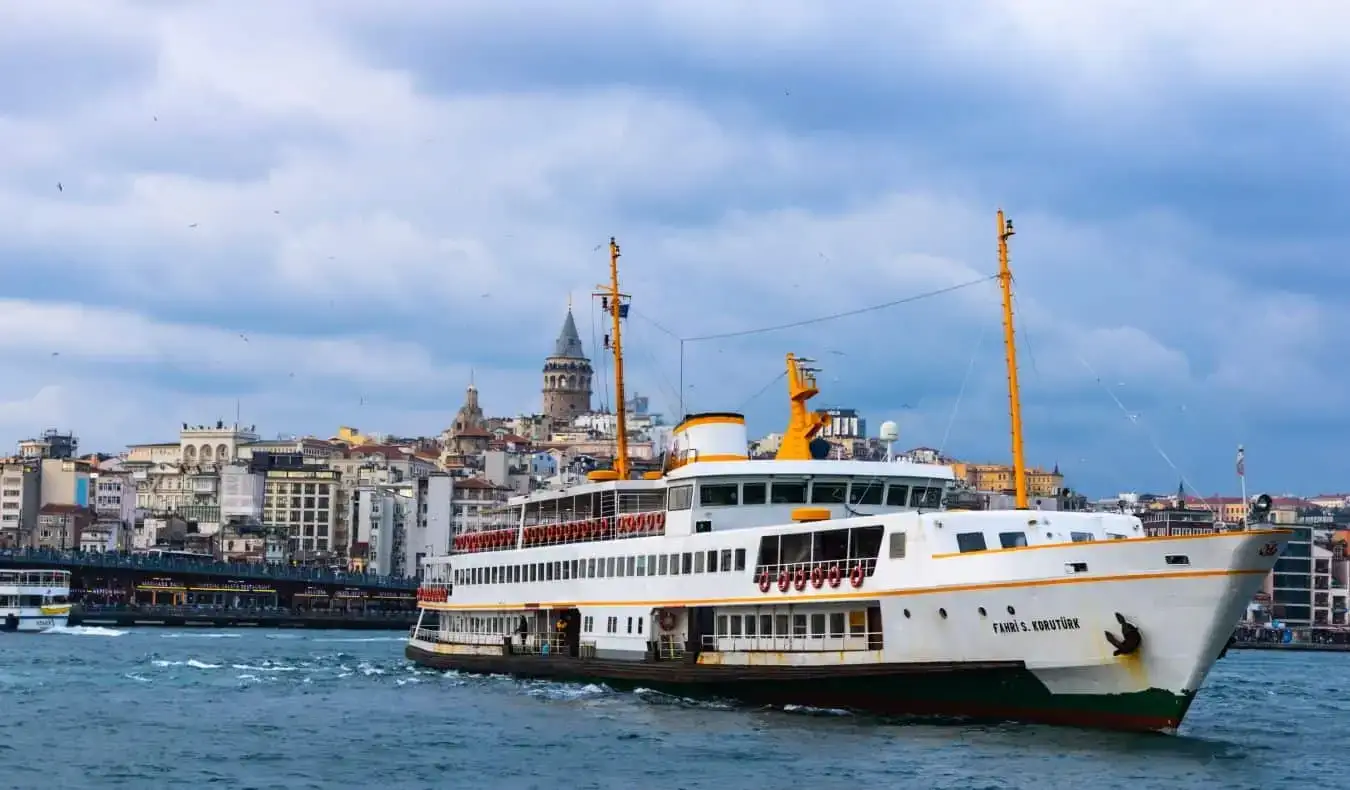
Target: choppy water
[151,708]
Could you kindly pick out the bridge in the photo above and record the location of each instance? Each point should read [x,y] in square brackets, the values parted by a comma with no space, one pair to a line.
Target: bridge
[110,563]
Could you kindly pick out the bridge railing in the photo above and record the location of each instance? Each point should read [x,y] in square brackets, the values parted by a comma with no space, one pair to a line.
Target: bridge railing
[207,611]
[170,564]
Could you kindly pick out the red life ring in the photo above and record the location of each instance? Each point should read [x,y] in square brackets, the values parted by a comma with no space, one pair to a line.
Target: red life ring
[661,521]
[855,578]
[783,581]
[835,575]
[817,577]
[553,533]
[651,522]
[764,583]
[799,581]
[667,620]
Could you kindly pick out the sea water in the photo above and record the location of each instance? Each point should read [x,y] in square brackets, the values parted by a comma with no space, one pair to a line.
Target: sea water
[154,708]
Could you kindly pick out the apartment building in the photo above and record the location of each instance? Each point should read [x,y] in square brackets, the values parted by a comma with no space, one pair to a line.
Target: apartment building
[20,498]
[303,503]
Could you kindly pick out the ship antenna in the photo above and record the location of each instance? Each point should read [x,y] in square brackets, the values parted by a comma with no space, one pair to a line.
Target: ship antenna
[1005,232]
[613,300]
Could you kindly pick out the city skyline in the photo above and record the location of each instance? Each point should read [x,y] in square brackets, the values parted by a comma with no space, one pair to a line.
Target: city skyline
[180,232]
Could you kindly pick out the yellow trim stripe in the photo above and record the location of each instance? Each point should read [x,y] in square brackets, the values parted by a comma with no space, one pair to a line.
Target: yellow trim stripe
[1154,539]
[773,597]
[718,419]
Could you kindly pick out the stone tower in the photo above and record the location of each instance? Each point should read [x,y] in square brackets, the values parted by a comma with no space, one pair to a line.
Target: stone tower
[567,375]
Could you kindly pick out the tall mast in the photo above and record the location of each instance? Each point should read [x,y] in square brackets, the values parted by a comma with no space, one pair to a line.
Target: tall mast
[613,299]
[1005,231]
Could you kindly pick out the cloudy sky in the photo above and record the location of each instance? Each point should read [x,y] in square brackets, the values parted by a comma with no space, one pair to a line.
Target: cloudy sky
[329,212]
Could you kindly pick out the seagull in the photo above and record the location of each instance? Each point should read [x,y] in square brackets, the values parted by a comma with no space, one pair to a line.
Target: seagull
[193,225]
[241,337]
[60,188]
[275,211]
[56,353]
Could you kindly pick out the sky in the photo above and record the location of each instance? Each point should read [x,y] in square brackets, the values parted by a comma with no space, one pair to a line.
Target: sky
[328,212]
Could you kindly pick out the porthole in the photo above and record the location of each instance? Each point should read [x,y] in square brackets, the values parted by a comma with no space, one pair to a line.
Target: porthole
[983,613]
[1011,610]
[943,612]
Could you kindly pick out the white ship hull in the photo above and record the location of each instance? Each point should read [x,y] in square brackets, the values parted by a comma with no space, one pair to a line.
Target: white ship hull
[1019,633]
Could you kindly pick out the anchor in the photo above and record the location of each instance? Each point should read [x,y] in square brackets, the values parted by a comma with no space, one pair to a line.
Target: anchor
[1129,640]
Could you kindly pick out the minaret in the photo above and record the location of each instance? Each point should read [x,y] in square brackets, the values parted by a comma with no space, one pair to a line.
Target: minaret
[567,375]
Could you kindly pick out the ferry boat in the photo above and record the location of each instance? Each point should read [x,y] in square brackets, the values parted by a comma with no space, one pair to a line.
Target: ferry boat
[838,584]
[34,600]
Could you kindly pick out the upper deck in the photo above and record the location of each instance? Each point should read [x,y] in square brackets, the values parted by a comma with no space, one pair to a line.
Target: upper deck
[38,579]
[707,497]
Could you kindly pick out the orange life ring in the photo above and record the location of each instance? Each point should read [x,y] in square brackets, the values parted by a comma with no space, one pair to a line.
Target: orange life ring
[855,577]
[835,575]
[817,577]
[799,580]
[764,582]
[783,581]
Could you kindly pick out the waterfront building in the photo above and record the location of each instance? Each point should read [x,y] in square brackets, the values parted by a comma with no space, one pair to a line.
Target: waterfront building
[20,498]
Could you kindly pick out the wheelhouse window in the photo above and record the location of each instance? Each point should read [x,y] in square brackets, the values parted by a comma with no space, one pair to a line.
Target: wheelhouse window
[970,541]
[866,492]
[897,495]
[680,498]
[718,494]
[787,493]
[754,493]
[1012,540]
[1082,537]
[926,497]
[829,492]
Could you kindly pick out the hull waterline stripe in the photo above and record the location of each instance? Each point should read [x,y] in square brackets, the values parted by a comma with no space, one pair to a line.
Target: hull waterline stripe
[861,593]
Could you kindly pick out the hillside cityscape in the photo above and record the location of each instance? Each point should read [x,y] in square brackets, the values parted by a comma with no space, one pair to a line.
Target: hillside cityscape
[380,504]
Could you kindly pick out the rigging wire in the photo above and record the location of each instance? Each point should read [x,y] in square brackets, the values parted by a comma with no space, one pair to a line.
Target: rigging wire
[833,316]
[1134,418]
[782,374]
[604,377]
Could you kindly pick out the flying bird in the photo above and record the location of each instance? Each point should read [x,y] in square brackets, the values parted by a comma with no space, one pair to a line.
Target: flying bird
[60,188]
[241,336]
[193,225]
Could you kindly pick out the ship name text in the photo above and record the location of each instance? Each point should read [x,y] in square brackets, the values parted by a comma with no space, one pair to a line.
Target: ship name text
[1036,626]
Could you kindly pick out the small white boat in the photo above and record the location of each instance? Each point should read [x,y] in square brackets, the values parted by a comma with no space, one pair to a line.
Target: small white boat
[35,600]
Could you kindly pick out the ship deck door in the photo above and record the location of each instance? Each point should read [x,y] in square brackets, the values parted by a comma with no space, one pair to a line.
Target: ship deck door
[874,635]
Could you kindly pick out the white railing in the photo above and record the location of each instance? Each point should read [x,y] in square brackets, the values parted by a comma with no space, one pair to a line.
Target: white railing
[60,579]
[530,644]
[834,643]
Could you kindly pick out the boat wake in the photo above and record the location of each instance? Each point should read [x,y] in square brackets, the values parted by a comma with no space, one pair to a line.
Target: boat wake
[83,630]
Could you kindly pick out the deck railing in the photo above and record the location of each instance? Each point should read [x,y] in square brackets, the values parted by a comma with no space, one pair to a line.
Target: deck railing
[833,643]
[579,530]
[531,644]
[803,575]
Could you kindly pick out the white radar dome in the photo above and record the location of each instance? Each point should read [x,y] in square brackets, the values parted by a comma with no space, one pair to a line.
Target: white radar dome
[889,431]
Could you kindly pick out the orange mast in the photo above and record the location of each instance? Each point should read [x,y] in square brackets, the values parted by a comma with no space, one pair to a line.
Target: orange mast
[613,300]
[1005,231]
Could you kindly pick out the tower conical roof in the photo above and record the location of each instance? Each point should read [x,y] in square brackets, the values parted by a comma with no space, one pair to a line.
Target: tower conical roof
[568,343]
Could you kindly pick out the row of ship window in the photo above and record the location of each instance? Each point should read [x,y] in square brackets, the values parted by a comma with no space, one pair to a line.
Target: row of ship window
[815,492]
[975,541]
[710,561]
[819,624]
[611,625]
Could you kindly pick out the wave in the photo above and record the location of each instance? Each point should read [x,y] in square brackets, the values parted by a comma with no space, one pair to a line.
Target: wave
[83,630]
[367,639]
[198,636]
